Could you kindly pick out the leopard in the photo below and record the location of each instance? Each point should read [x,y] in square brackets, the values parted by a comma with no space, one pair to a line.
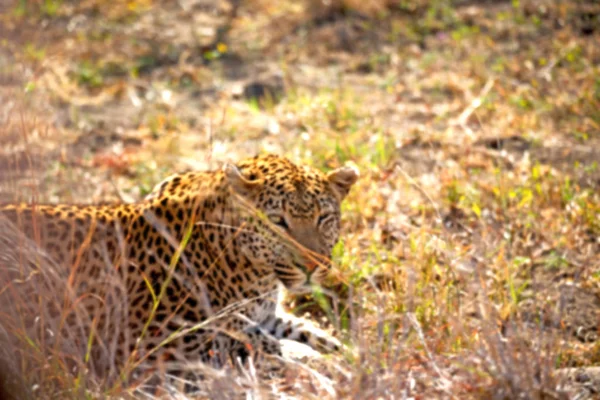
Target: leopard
[197,270]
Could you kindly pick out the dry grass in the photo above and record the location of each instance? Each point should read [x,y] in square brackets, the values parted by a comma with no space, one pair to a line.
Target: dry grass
[469,261]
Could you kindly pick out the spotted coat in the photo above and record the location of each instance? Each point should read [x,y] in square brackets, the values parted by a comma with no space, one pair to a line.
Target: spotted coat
[197,267]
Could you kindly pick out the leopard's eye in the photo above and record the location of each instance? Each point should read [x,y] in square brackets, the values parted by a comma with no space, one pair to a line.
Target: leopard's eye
[278,220]
[322,218]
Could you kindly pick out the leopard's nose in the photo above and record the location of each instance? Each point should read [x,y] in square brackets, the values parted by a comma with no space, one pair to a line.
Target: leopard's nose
[311,265]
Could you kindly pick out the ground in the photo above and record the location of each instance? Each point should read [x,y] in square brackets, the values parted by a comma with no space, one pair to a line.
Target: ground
[469,264]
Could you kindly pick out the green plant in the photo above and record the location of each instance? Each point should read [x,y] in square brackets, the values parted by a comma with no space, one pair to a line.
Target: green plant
[89,74]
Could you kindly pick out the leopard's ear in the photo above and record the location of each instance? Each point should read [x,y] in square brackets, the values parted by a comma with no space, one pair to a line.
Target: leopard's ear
[245,186]
[342,179]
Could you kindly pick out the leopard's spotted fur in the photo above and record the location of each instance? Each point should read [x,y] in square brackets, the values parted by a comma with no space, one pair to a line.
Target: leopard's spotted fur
[201,260]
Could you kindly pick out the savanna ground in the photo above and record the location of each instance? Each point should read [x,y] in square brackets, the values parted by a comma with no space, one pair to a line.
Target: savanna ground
[470,260]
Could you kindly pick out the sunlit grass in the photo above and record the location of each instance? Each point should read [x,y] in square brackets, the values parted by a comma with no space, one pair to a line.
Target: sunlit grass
[447,280]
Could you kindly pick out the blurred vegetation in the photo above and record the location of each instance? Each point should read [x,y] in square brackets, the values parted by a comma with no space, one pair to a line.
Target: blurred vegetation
[469,265]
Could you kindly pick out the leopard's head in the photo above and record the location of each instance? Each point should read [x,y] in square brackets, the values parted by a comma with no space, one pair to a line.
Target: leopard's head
[291,215]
